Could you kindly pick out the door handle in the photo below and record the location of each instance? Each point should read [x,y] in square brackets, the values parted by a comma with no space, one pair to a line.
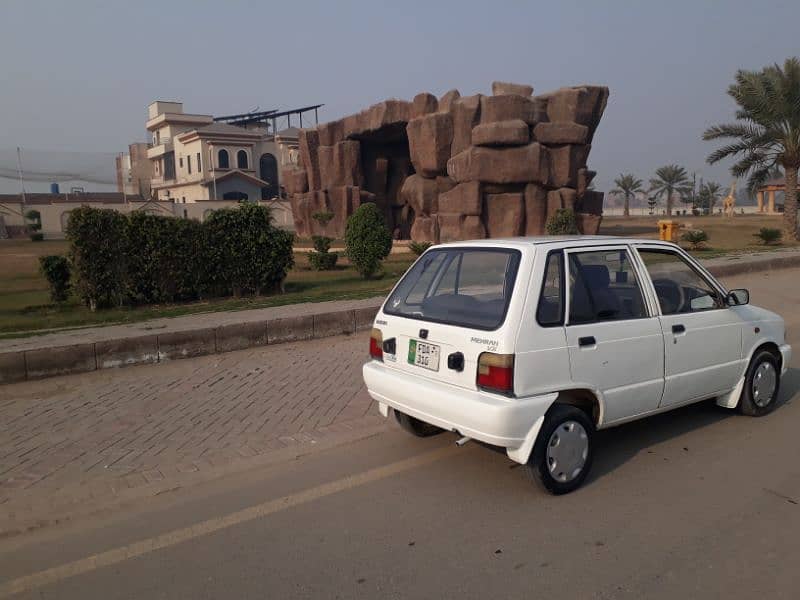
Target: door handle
[678,329]
[587,341]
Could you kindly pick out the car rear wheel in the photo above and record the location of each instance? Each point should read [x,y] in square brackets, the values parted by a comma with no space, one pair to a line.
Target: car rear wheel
[415,426]
[762,383]
[563,453]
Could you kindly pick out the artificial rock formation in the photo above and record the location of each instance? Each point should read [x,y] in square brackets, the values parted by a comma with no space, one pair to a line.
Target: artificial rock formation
[455,167]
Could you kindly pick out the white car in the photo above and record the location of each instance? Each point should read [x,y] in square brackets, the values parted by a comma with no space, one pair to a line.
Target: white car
[532,344]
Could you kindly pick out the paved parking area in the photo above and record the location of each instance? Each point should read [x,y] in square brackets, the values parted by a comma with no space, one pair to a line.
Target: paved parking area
[95,437]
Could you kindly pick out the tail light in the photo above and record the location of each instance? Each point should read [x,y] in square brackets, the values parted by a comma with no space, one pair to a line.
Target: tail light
[376,344]
[496,372]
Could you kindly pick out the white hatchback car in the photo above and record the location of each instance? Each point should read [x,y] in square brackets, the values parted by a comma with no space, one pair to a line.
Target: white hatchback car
[531,344]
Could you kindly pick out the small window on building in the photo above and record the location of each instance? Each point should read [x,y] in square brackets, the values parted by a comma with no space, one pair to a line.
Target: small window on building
[222,159]
[199,164]
[185,214]
[180,162]
[241,159]
[189,164]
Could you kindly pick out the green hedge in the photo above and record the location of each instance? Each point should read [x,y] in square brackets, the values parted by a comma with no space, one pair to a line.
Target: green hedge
[57,272]
[367,240]
[145,259]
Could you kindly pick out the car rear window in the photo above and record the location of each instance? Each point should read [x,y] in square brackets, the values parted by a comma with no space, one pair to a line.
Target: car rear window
[469,287]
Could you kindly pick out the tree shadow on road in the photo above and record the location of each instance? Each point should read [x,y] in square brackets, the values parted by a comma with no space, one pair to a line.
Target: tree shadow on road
[616,446]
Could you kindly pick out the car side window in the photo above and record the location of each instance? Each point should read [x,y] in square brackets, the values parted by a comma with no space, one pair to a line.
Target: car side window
[550,311]
[603,287]
[679,288]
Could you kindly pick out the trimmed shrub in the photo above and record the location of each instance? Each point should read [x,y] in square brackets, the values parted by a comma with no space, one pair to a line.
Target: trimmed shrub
[244,252]
[696,238]
[35,218]
[99,255]
[37,237]
[367,240]
[769,236]
[163,265]
[562,222]
[419,248]
[323,261]
[56,270]
[143,259]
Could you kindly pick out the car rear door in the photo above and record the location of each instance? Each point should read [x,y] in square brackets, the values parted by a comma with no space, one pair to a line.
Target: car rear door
[615,342]
[449,308]
[702,335]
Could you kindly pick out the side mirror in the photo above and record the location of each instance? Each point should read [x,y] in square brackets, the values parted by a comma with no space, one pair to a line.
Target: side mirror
[737,297]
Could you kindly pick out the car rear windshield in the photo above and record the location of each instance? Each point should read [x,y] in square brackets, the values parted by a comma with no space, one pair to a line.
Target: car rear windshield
[469,287]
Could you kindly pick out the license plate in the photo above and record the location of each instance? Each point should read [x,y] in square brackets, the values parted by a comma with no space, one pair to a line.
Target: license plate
[423,354]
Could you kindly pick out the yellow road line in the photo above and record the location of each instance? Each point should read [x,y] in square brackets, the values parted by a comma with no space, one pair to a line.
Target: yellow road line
[165,540]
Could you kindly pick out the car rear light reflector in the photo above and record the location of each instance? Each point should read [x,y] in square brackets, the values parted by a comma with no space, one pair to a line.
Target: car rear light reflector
[376,344]
[496,372]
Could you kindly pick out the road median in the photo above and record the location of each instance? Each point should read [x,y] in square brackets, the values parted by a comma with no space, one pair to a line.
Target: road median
[163,340]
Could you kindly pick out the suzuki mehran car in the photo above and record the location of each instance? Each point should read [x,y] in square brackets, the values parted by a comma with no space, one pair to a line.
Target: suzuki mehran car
[533,344]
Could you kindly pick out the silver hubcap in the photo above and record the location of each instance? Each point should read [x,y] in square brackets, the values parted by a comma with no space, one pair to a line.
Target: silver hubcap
[567,450]
[765,380]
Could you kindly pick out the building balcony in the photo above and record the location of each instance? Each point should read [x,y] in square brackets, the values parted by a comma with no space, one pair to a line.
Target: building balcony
[161,181]
[160,149]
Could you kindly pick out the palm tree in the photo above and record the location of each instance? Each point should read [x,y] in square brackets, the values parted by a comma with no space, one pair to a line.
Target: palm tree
[709,194]
[766,131]
[629,186]
[668,180]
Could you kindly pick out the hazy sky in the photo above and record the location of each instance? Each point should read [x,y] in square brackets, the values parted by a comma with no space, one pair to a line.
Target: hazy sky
[77,75]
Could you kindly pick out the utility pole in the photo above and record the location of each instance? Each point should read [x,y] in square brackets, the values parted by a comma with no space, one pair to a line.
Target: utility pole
[21,180]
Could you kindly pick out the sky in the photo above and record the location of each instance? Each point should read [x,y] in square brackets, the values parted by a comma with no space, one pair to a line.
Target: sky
[77,75]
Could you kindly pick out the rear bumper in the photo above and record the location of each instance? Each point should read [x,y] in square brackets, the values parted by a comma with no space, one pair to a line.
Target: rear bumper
[786,354]
[493,419]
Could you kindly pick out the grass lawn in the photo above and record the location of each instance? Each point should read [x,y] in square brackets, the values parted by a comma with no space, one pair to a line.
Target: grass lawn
[25,305]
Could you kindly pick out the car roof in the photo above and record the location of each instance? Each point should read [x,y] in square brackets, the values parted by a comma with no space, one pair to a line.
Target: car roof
[557,240]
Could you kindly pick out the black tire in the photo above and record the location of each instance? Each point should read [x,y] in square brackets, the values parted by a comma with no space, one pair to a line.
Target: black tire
[538,467]
[415,426]
[750,404]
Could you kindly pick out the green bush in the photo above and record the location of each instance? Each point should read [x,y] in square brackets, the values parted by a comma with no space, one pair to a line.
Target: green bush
[367,241]
[321,243]
[37,237]
[99,254]
[323,261]
[144,259]
[163,264]
[768,235]
[695,237]
[562,222]
[419,248]
[243,252]
[35,218]
[57,272]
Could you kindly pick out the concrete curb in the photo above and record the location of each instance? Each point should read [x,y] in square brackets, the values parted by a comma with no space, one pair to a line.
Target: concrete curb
[52,361]
[153,348]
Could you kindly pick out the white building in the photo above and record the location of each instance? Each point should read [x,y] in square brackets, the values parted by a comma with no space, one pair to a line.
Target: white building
[195,158]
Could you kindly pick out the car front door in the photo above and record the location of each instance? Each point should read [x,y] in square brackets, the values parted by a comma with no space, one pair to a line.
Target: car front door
[614,338]
[702,336]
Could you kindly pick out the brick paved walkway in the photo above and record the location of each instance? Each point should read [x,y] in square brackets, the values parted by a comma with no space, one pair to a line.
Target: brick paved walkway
[116,433]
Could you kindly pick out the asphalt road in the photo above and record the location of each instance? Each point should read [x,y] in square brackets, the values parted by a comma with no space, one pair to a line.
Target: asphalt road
[696,503]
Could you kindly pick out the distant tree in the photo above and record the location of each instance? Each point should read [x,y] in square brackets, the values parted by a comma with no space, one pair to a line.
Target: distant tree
[670,179]
[766,133]
[708,195]
[628,186]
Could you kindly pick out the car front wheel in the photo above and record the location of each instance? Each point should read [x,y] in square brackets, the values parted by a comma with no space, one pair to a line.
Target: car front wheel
[761,385]
[563,453]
